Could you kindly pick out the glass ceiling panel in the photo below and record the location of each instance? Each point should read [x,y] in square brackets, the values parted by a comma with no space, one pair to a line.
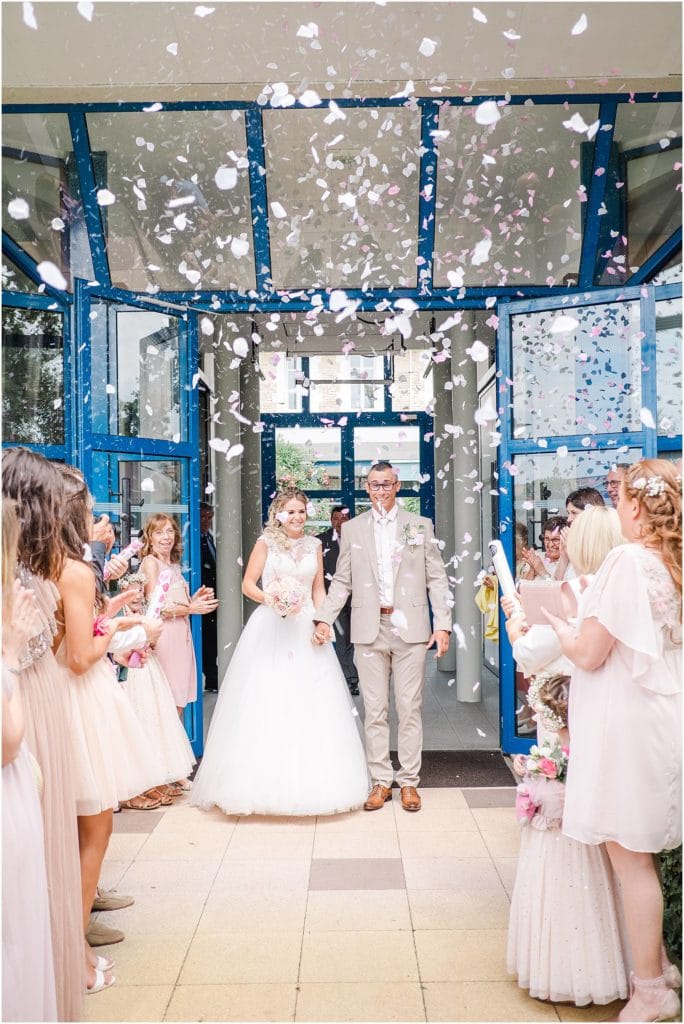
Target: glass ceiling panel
[15,280]
[343,196]
[41,196]
[180,218]
[510,192]
[647,208]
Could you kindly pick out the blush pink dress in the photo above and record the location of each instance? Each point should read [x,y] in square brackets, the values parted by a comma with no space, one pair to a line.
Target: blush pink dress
[174,648]
[624,777]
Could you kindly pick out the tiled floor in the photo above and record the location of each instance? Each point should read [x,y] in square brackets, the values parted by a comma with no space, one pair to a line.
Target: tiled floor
[386,916]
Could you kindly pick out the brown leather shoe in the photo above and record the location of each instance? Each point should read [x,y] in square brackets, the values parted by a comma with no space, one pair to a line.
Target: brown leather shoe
[410,800]
[377,798]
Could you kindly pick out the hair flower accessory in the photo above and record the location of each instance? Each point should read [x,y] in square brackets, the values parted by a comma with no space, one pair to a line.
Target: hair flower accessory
[653,485]
[413,535]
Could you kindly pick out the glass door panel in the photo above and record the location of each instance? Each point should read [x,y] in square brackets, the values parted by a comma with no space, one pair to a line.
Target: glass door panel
[577,370]
[33,408]
[154,486]
[308,457]
[136,373]
[669,366]
[399,445]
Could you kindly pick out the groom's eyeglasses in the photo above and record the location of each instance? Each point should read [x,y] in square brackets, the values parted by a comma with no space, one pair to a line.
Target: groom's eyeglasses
[382,487]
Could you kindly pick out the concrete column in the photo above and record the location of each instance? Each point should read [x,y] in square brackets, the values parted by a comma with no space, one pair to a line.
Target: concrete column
[466,471]
[252,515]
[228,506]
[444,484]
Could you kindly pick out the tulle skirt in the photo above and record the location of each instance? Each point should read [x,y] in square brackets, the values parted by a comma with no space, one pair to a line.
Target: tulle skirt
[113,760]
[284,737]
[28,973]
[565,938]
[148,690]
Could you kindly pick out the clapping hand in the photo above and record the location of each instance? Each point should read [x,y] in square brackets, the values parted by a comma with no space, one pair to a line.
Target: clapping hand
[203,601]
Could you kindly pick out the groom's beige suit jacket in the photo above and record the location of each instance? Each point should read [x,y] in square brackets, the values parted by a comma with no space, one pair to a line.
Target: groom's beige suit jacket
[418,572]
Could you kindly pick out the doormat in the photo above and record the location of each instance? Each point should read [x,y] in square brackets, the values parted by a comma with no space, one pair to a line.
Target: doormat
[463,768]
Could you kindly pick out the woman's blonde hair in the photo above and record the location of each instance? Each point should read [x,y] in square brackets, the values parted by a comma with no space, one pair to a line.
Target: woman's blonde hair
[657,487]
[274,528]
[153,523]
[594,533]
[10,545]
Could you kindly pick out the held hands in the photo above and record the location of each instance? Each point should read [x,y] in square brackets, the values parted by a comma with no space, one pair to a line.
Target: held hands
[322,633]
[441,638]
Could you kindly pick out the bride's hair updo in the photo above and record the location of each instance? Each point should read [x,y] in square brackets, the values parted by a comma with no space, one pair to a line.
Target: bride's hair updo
[657,487]
[274,528]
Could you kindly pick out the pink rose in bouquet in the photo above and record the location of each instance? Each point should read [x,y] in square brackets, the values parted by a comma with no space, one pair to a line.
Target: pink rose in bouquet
[548,767]
[286,596]
[525,807]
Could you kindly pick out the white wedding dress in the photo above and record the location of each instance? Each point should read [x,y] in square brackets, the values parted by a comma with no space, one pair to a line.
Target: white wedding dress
[284,736]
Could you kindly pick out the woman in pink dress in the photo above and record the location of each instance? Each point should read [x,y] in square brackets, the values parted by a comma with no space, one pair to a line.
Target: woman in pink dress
[28,973]
[162,549]
[624,778]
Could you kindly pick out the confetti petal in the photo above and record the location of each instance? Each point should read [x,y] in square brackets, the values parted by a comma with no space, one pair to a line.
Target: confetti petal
[52,275]
[487,112]
[647,419]
[427,47]
[202,12]
[580,26]
[479,16]
[105,197]
[226,177]
[85,8]
[29,16]
[18,209]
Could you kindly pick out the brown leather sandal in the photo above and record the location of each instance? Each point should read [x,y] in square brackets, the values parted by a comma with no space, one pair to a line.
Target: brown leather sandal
[140,803]
[159,794]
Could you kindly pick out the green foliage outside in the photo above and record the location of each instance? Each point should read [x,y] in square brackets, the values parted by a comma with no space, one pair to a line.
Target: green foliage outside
[32,376]
[296,468]
[671,869]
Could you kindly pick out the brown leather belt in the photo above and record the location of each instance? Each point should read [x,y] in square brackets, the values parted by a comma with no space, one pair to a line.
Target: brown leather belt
[386,611]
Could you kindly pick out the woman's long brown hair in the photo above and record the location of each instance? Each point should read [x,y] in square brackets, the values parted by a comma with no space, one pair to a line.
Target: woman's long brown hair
[37,487]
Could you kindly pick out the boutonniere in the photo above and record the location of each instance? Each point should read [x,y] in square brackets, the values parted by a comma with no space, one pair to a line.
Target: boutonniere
[413,535]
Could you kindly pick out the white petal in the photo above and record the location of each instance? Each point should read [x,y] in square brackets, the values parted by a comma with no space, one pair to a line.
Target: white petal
[647,418]
[240,347]
[310,98]
[576,123]
[29,16]
[18,209]
[105,197]
[580,26]
[226,177]
[52,275]
[201,11]
[478,352]
[427,47]
[564,324]
[479,16]
[219,444]
[206,326]
[487,112]
[147,484]
[172,48]
[277,210]
[510,33]
[455,278]
[481,252]
[239,247]
[233,452]
[398,619]
[85,8]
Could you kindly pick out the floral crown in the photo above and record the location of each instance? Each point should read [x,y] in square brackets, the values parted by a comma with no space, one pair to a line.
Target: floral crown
[653,486]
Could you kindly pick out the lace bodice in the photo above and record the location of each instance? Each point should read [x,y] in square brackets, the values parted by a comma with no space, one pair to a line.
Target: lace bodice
[299,560]
[662,594]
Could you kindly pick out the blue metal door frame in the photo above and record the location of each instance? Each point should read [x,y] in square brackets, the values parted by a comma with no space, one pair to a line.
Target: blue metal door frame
[348,494]
[510,445]
[89,441]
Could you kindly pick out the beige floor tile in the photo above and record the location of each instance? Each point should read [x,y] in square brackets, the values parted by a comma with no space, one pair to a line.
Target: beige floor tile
[125,845]
[502,843]
[148,958]
[436,819]
[493,818]
[233,1003]
[467,955]
[113,871]
[128,1003]
[372,874]
[172,877]
[483,1001]
[253,911]
[481,908]
[451,873]
[506,868]
[357,911]
[189,845]
[270,845]
[278,823]
[443,797]
[359,821]
[379,843]
[364,1001]
[358,956]
[589,1013]
[157,914]
[442,844]
[259,875]
[219,958]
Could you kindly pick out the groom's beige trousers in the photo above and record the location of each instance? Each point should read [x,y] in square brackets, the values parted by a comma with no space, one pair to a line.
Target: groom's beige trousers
[389,652]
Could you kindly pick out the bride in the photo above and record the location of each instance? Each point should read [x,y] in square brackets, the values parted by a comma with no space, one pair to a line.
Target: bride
[283,737]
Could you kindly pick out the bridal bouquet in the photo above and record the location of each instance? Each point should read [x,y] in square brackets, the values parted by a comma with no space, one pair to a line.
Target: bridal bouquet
[540,796]
[286,596]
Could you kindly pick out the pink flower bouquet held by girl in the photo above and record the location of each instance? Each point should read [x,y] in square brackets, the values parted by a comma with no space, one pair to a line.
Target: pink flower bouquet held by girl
[286,596]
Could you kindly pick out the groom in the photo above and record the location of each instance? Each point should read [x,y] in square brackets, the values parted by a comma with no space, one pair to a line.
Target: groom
[389,562]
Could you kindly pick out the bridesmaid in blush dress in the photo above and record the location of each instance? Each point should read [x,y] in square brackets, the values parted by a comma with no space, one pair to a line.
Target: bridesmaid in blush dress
[28,974]
[37,488]
[162,549]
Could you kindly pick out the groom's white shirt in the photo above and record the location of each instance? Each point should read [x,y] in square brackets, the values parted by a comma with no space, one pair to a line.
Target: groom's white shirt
[385,528]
